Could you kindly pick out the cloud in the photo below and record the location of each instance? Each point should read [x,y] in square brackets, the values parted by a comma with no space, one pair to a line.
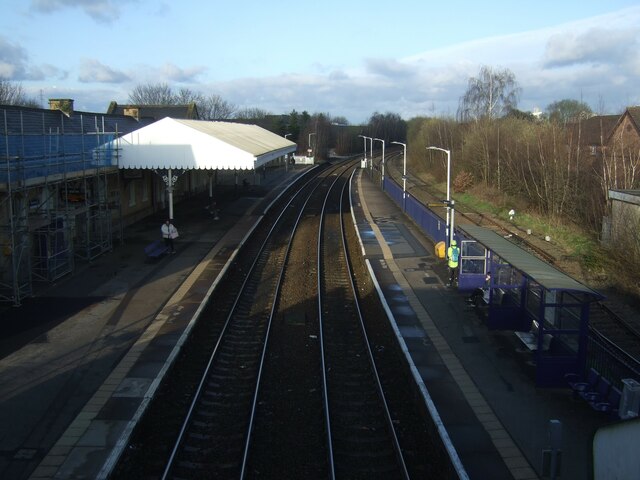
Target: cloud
[575,60]
[13,61]
[596,45]
[94,71]
[592,60]
[14,65]
[389,68]
[183,75]
[103,11]
[351,96]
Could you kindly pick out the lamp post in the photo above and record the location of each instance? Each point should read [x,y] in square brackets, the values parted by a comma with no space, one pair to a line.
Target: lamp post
[310,150]
[449,229]
[365,148]
[382,162]
[404,174]
[286,160]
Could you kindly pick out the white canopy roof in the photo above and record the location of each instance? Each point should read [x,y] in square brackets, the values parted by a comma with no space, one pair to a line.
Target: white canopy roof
[198,144]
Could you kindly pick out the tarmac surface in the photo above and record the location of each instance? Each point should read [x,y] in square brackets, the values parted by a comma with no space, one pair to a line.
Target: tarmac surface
[80,361]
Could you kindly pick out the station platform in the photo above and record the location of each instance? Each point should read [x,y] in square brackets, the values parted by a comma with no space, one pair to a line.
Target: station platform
[73,386]
[480,380]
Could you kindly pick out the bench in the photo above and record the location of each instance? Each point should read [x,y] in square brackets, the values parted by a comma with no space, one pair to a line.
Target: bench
[530,339]
[610,404]
[156,249]
[596,390]
[579,384]
[598,393]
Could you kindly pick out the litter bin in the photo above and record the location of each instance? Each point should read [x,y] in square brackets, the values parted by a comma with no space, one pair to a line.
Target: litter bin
[630,402]
[440,249]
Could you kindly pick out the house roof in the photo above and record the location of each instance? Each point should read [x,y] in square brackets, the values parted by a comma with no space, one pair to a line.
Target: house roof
[595,130]
[157,112]
[633,113]
[199,144]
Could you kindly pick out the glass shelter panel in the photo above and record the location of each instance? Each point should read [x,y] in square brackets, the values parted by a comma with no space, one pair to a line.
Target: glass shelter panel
[533,298]
[563,311]
[507,282]
[473,257]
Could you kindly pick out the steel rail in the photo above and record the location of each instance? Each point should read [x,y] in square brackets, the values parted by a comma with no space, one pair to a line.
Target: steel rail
[365,341]
[383,399]
[294,228]
[216,349]
[332,468]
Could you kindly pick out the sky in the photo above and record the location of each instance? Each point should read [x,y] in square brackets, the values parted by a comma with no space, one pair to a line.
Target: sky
[339,57]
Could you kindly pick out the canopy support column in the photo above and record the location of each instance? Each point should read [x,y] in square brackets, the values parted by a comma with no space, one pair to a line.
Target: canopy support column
[170,180]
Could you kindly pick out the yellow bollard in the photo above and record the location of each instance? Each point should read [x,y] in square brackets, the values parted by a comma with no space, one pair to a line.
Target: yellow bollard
[440,249]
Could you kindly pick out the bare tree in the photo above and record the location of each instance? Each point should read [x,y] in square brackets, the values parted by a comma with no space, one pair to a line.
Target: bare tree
[13,94]
[186,95]
[493,94]
[211,107]
[340,120]
[214,107]
[153,94]
[251,114]
[389,126]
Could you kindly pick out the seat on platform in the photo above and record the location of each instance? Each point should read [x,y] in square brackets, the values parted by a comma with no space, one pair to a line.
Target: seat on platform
[579,384]
[609,405]
[530,338]
[598,393]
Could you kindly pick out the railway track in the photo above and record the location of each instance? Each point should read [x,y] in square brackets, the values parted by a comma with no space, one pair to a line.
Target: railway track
[363,442]
[622,335]
[291,385]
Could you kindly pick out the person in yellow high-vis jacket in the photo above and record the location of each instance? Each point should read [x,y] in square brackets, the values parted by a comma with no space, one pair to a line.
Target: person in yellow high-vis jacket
[453,257]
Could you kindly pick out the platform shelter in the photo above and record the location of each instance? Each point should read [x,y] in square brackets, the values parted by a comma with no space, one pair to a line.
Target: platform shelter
[547,309]
[172,147]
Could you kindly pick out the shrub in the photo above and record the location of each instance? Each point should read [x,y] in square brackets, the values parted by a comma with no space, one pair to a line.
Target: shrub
[463,181]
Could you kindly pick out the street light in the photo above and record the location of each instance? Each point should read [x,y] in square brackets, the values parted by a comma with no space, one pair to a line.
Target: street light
[382,162]
[286,160]
[449,231]
[310,150]
[365,148]
[404,174]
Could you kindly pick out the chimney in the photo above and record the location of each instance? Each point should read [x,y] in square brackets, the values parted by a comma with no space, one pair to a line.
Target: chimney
[63,104]
[132,112]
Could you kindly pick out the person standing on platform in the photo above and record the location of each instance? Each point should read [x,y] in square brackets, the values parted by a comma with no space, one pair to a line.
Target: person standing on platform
[453,256]
[169,233]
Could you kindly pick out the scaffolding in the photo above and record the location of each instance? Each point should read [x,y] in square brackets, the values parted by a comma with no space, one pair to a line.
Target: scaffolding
[58,172]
